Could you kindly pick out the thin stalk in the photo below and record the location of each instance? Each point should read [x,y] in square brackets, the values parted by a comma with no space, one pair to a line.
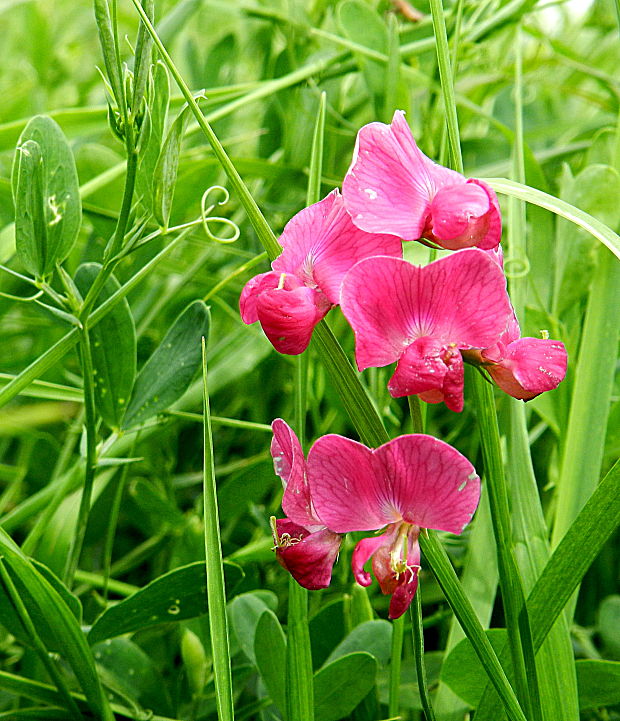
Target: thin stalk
[112,524]
[513,597]
[39,647]
[415,611]
[398,633]
[90,424]
[447,84]
[216,591]
[299,693]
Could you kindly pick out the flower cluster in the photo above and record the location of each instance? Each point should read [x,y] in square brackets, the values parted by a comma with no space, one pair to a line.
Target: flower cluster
[429,320]
[411,483]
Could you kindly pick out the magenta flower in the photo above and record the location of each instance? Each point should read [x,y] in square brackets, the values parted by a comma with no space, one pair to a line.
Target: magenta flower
[410,483]
[392,187]
[522,367]
[319,244]
[423,317]
[303,545]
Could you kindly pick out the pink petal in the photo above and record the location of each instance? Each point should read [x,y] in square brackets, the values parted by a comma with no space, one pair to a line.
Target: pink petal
[308,557]
[321,244]
[289,463]
[390,184]
[403,596]
[460,299]
[530,366]
[251,291]
[427,482]
[364,549]
[288,317]
[464,215]
[431,369]
[346,493]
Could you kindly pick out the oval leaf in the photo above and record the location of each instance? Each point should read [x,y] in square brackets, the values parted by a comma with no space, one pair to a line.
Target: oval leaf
[175,596]
[113,347]
[169,371]
[341,685]
[374,637]
[270,654]
[598,682]
[48,210]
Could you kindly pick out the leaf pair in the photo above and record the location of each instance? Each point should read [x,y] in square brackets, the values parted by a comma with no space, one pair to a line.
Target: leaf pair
[48,210]
[124,400]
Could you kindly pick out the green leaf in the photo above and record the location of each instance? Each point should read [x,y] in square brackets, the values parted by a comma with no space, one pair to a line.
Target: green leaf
[270,655]
[560,207]
[130,673]
[373,637]
[113,347]
[55,623]
[462,670]
[341,685]
[599,683]
[327,629]
[608,625]
[169,371]
[48,210]
[245,613]
[175,596]
[166,169]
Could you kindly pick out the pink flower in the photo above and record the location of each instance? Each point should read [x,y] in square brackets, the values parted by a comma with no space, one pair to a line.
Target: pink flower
[423,317]
[410,483]
[392,187]
[320,244]
[522,367]
[303,545]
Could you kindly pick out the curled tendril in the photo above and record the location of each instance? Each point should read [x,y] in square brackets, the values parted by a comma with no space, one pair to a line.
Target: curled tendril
[205,213]
[516,267]
[29,299]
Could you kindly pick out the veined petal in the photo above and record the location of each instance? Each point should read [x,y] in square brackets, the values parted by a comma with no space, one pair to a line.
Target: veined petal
[530,366]
[308,557]
[363,550]
[390,184]
[429,483]
[321,244]
[346,493]
[288,317]
[465,215]
[252,289]
[289,463]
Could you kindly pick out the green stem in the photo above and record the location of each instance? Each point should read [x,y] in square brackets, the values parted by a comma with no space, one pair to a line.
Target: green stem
[90,421]
[299,686]
[39,647]
[417,629]
[447,85]
[513,597]
[216,591]
[398,632]
[112,524]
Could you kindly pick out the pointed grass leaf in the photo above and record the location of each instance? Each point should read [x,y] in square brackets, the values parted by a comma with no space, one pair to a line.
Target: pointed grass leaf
[598,682]
[245,613]
[48,210]
[341,685]
[270,655]
[169,371]
[166,169]
[113,347]
[55,623]
[462,670]
[373,637]
[175,596]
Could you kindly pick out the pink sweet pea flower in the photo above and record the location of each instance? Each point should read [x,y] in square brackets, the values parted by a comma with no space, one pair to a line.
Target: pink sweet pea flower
[303,544]
[423,317]
[392,187]
[319,244]
[410,483]
[522,367]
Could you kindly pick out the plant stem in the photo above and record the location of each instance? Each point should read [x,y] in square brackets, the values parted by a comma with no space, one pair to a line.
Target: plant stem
[398,632]
[299,686]
[216,592]
[90,421]
[415,611]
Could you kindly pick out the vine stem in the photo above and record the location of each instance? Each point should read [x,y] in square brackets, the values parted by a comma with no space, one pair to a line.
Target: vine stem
[90,420]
